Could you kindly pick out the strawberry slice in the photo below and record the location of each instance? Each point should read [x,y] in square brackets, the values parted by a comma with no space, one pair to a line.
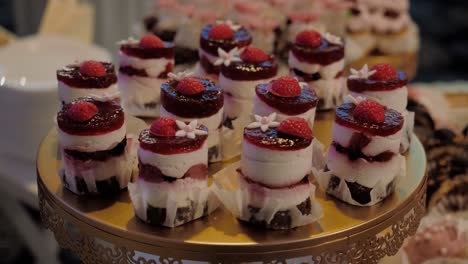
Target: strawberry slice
[309,38]
[82,111]
[151,41]
[369,111]
[384,71]
[190,86]
[164,127]
[286,86]
[295,126]
[221,31]
[93,68]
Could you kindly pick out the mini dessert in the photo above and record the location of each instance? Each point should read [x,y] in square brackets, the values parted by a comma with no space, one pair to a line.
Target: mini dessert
[240,73]
[97,156]
[287,97]
[363,160]
[144,66]
[387,86]
[274,188]
[187,98]
[85,79]
[319,60]
[172,185]
[215,41]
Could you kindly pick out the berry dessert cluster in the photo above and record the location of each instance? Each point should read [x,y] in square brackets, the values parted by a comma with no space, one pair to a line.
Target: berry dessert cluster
[217,41]
[363,160]
[144,66]
[319,61]
[274,174]
[97,156]
[172,185]
[387,86]
[287,97]
[187,98]
[88,78]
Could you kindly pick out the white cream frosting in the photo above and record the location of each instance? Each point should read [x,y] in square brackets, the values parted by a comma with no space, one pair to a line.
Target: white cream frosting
[263,40]
[92,143]
[406,41]
[211,122]
[153,67]
[396,99]
[330,91]
[237,107]
[359,45]
[275,168]
[382,24]
[67,93]
[262,109]
[138,90]
[326,71]
[241,89]
[174,165]
[362,21]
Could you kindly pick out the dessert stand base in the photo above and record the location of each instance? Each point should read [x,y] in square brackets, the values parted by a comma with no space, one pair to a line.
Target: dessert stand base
[105,230]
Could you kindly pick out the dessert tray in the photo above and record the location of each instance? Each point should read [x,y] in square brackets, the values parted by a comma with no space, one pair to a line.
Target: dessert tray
[105,230]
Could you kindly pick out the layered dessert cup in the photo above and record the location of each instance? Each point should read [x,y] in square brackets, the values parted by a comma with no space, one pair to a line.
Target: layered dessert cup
[97,156]
[240,74]
[274,188]
[286,97]
[384,84]
[216,40]
[144,66]
[172,187]
[88,78]
[186,98]
[363,163]
[319,61]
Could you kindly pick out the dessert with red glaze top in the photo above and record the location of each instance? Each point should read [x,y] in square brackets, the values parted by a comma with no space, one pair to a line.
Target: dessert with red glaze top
[88,78]
[318,60]
[240,73]
[173,172]
[287,97]
[187,98]
[144,66]
[363,160]
[97,156]
[216,40]
[275,164]
[386,85]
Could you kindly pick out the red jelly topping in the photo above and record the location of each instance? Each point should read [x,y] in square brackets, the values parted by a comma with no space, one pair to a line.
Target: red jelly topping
[240,39]
[136,50]
[288,105]
[153,174]
[72,76]
[326,53]
[393,121]
[275,140]
[251,71]
[110,117]
[362,85]
[170,145]
[204,104]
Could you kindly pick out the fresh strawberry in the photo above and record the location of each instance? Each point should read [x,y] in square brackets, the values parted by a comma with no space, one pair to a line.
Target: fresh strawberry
[309,38]
[221,31]
[82,111]
[252,54]
[151,41]
[92,68]
[164,127]
[286,86]
[384,71]
[190,86]
[369,111]
[295,126]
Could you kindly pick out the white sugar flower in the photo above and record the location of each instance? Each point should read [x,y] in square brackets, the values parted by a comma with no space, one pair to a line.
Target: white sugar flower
[105,96]
[189,130]
[227,57]
[333,39]
[355,100]
[264,122]
[231,24]
[130,40]
[363,73]
[180,75]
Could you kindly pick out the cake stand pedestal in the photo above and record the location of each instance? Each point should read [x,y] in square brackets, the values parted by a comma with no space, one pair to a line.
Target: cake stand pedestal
[105,230]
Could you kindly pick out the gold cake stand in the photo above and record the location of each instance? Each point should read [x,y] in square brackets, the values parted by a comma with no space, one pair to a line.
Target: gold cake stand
[105,230]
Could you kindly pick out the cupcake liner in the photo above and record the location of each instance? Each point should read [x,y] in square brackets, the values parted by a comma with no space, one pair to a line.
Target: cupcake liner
[95,177]
[174,203]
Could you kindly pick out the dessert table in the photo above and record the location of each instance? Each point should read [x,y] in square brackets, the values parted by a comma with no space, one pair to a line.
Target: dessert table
[105,230]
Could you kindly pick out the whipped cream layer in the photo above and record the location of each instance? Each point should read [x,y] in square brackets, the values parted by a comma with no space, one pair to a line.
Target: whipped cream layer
[138,90]
[396,99]
[330,91]
[275,168]
[329,71]
[382,24]
[67,93]
[262,109]
[153,67]
[237,107]
[359,45]
[92,143]
[241,89]
[174,165]
[211,122]
[406,41]
[342,135]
